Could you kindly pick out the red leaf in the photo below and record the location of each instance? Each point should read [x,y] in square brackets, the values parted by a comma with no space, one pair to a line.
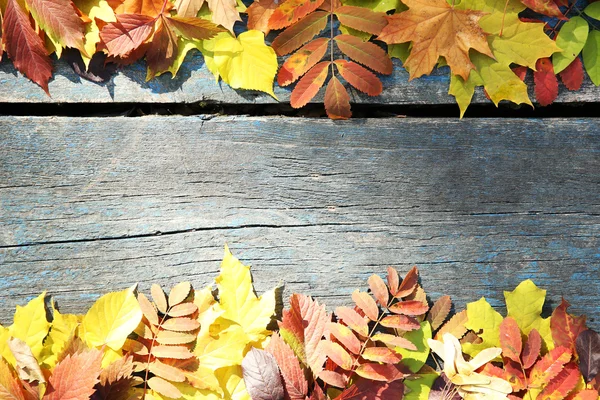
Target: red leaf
[545,7]
[345,336]
[514,375]
[565,328]
[362,79]
[128,33]
[291,11]
[305,321]
[309,85]
[412,307]
[562,384]
[75,376]
[546,84]
[300,33]
[366,53]
[362,19]
[379,289]
[24,46]
[295,382]
[572,76]
[520,71]
[10,387]
[393,280]
[162,53]
[301,61]
[353,320]
[409,283]
[259,13]
[379,372]
[60,21]
[362,299]
[194,28]
[510,339]
[364,389]
[549,366]
[532,349]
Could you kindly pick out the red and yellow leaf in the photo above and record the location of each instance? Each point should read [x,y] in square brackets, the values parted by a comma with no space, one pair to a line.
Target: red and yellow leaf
[309,85]
[160,56]
[365,81]
[291,11]
[411,307]
[381,354]
[362,299]
[565,327]
[378,287]
[545,7]
[562,384]
[532,349]
[549,366]
[409,283]
[402,322]
[194,28]
[300,33]
[379,372]
[337,101]
[337,354]
[301,61]
[59,20]
[353,319]
[345,336]
[365,53]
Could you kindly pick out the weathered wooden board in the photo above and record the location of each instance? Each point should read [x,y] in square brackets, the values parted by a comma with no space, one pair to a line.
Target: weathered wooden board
[194,83]
[95,204]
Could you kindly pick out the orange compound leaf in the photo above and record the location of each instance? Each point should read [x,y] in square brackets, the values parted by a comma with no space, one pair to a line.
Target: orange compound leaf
[60,21]
[337,101]
[300,33]
[546,84]
[362,299]
[401,322]
[379,289]
[380,372]
[381,354]
[345,336]
[309,85]
[361,19]
[562,384]
[365,53]
[411,307]
[337,354]
[24,46]
[510,339]
[393,280]
[572,76]
[549,366]
[409,283]
[564,327]
[436,29]
[291,11]
[545,7]
[151,8]
[301,61]
[353,319]
[194,28]
[393,340]
[294,380]
[74,377]
[531,349]
[127,34]
[365,81]
[160,56]
[588,394]
[259,13]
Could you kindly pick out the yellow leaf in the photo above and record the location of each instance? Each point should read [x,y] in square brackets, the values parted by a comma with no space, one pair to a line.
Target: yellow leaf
[237,298]
[94,9]
[63,329]
[224,350]
[481,316]
[111,318]
[246,62]
[31,326]
[232,383]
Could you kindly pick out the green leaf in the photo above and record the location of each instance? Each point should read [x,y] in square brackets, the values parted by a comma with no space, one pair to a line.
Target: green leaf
[591,56]
[482,317]
[570,39]
[400,51]
[593,10]
[415,359]
[419,387]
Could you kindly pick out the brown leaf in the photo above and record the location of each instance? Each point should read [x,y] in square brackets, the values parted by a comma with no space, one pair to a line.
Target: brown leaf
[309,85]
[565,327]
[166,371]
[115,381]
[259,13]
[436,29]
[28,368]
[261,375]
[151,8]
[333,378]
[188,8]
[224,13]
[409,283]
[300,33]
[394,340]
[454,326]
[193,28]
[160,56]
[365,389]
[337,101]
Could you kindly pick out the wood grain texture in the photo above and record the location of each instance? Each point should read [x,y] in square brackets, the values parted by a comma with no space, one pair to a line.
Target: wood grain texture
[95,204]
[194,83]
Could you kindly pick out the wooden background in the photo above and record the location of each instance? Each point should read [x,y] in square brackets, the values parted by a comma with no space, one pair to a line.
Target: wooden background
[94,204]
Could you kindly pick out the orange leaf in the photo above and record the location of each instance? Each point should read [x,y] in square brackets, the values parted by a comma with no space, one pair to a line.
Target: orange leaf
[169,337]
[164,388]
[122,37]
[379,289]
[300,33]
[337,101]
[365,81]
[353,319]
[180,291]
[259,13]
[148,309]
[193,28]
[411,307]
[333,378]
[337,354]
[291,11]
[182,310]
[150,8]
[565,327]
[176,352]
[188,8]
[401,322]
[562,384]
[159,297]
[301,61]
[394,340]
[166,371]
[379,372]
[393,280]
[381,354]
[75,376]
[588,394]
[294,380]
[309,85]
[362,299]
[436,29]
[366,53]
[345,336]
[439,312]
[409,283]
[9,384]
[181,324]
[24,46]
[549,366]
[455,326]
[510,339]
[362,19]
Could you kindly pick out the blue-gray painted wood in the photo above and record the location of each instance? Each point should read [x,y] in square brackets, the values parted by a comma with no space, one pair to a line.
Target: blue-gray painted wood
[92,205]
[194,83]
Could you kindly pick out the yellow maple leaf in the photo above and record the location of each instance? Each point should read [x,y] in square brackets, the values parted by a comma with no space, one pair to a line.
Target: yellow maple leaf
[246,62]
[237,298]
[63,329]
[111,319]
[436,29]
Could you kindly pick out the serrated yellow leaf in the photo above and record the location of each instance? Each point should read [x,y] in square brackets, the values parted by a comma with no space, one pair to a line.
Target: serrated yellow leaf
[525,304]
[31,326]
[237,298]
[232,383]
[481,316]
[246,62]
[224,349]
[63,329]
[112,317]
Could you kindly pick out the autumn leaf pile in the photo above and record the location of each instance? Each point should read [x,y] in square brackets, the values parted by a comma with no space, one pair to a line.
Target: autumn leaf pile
[225,342]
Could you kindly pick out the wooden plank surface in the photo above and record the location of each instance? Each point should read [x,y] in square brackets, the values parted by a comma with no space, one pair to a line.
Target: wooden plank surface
[95,204]
[194,83]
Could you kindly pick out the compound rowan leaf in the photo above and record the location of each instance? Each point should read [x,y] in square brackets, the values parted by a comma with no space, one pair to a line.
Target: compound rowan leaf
[549,366]
[378,286]
[111,319]
[125,35]
[300,33]
[510,339]
[188,8]
[532,349]
[261,376]
[365,53]
[302,328]
[562,384]
[588,350]
[309,84]
[291,11]
[74,377]
[224,13]
[379,372]
[295,382]
[544,7]
[259,13]
[436,29]
[565,327]
[354,320]
[572,76]
[571,38]
[402,322]
[365,81]
[24,46]
[362,299]
[337,100]
[381,354]
[59,20]
[361,19]
[301,61]
[439,312]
